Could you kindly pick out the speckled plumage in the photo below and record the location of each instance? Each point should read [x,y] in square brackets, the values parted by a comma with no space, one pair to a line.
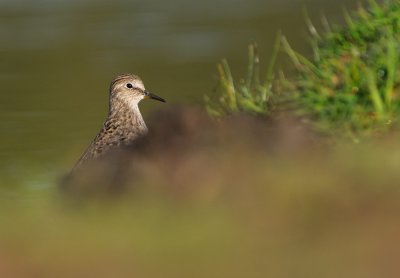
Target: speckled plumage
[124,123]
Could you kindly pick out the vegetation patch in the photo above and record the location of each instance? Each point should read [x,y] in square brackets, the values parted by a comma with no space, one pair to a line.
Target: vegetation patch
[251,94]
[349,87]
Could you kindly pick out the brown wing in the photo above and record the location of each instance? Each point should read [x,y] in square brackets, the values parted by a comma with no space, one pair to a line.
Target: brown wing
[116,131]
[103,142]
[106,139]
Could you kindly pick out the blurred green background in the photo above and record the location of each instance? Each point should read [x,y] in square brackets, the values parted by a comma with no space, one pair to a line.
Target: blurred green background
[248,199]
[58,57]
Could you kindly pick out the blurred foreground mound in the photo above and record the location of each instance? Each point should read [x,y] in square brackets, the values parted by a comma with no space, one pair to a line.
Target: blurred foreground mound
[185,151]
[238,198]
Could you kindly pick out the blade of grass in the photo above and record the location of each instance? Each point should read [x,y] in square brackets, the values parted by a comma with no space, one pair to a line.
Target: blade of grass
[374,93]
[250,65]
[299,60]
[348,18]
[256,61]
[326,24]
[311,28]
[392,57]
[270,71]
[227,83]
[289,50]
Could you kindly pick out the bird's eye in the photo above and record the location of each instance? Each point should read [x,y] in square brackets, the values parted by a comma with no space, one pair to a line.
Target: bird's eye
[129,85]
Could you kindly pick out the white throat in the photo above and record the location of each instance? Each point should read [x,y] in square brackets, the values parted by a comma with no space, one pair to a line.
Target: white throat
[134,105]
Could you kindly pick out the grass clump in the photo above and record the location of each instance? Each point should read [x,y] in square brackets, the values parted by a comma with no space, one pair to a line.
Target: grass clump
[251,94]
[351,84]
[350,87]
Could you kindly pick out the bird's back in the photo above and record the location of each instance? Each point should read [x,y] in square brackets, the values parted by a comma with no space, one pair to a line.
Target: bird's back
[116,132]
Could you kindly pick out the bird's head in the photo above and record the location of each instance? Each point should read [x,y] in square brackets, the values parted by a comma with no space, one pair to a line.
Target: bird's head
[129,89]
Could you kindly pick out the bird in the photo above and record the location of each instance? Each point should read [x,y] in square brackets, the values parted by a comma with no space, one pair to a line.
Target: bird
[124,123]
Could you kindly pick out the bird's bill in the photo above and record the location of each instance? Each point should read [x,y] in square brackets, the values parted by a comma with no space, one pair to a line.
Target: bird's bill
[148,95]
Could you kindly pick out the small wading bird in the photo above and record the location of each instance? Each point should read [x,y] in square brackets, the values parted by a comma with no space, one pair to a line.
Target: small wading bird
[124,123]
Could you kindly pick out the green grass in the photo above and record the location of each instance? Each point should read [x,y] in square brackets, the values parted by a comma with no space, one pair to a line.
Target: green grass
[351,83]
[250,95]
[348,88]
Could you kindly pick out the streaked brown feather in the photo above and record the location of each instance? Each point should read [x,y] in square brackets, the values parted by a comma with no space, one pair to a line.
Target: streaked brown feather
[123,125]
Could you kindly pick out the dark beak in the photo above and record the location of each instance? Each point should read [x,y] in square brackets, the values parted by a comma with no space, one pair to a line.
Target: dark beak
[147,94]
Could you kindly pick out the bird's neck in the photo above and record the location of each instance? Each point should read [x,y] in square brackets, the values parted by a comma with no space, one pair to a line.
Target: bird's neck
[128,115]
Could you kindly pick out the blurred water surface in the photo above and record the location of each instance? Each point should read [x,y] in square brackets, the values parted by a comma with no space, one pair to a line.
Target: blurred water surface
[58,57]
